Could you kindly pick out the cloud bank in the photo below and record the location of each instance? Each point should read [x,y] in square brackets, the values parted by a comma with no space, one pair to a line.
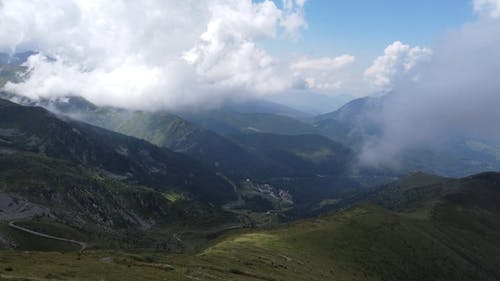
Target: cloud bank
[488,8]
[323,73]
[397,62]
[457,92]
[169,54]
[153,53]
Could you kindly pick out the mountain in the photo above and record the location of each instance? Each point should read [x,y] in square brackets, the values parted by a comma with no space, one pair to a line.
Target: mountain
[74,180]
[356,123]
[85,200]
[112,192]
[354,111]
[450,231]
[452,234]
[310,167]
[162,129]
[353,123]
[257,156]
[10,73]
[300,155]
[310,102]
[407,192]
[265,107]
[34,129]
[17,58]
[12,68]
[228,122]
[205,136]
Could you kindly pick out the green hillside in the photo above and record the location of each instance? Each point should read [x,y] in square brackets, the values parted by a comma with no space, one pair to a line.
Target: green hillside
[34,129]
[75,181]
[98,208]
[303,154]
[452,235]
[230,122]
[310,166]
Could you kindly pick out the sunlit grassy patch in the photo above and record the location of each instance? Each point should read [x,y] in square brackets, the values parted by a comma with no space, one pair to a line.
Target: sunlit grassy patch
[175,196]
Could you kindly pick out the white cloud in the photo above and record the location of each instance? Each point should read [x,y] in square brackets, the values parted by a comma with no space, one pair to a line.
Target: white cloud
[458,95]
[294,19]
[397,61]
[489,8]
[300,3]
[324,63]
[324,74]
[149,53]
[227,54]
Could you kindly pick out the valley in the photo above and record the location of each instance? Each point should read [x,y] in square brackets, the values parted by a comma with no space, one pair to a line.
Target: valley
[249,190]
[334,246]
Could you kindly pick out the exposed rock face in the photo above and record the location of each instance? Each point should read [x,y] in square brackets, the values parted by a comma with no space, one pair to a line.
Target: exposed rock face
[16,208]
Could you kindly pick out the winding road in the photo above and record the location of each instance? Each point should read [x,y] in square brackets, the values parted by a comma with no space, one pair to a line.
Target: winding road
[82,245]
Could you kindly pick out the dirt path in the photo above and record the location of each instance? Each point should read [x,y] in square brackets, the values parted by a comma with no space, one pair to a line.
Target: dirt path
[82,245]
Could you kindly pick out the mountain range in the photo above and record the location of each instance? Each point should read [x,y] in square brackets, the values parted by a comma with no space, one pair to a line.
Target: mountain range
[250,190]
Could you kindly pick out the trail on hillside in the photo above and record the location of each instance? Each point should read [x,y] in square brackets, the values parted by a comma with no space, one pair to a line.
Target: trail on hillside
[82,245]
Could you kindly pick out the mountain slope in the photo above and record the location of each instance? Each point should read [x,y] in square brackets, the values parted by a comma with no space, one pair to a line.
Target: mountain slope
[354,111]
[169,131]
[34,129]
[454,238]
[264,106]
[299,155]
[353,123]
[358,123]
[10,73]
[454,235]
[227,122]
[311,167]
[230,154]
[60,198]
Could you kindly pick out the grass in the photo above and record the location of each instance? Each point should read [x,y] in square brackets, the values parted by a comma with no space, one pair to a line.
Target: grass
[51,227]
[28,242]
[364,243]
[175,196]
[60,266]
[451,236]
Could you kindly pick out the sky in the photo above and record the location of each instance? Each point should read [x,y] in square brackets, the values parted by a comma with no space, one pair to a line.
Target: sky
[166,54]
[364,27]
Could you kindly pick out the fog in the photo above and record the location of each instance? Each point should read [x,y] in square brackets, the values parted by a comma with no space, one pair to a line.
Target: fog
[456,93]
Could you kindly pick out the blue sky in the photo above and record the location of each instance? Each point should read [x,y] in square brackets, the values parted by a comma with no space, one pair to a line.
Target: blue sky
[365,27]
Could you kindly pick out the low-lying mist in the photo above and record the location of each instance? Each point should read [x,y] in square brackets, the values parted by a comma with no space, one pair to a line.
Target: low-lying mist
[456,93]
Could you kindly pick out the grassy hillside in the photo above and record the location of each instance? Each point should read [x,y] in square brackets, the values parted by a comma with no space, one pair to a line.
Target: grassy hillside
[85,201]
[265,106]
[451,236]
[303,154]
[172,132]
[34,129]
[162,129]
[311,167]
[229,122]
